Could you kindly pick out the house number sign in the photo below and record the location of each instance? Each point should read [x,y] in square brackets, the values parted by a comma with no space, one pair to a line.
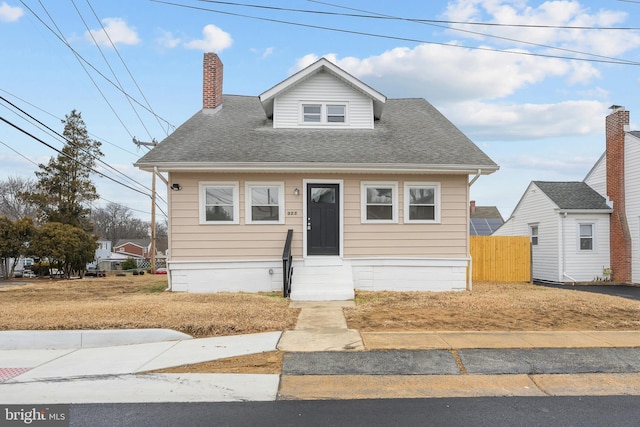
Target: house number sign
[292,213]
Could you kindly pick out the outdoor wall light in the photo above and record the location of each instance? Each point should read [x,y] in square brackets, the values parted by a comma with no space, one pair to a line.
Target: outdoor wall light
[176,187]
[296,192]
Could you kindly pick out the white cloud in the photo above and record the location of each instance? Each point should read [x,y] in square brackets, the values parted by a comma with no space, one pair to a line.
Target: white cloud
[267,52]
[446,75]
[115,31]
[9,13]
[528,121]
[548,13]
[167,40]
[214,40]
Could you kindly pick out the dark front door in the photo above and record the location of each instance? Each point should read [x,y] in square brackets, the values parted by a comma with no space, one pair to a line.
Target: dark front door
[323,219]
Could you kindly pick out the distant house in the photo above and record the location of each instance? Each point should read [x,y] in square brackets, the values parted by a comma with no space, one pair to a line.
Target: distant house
[483,220]
[103,252]
[134,248]
[587,230]
[375,190]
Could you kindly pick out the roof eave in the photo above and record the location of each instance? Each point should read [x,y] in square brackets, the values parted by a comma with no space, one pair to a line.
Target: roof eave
[317,167]
[584,211]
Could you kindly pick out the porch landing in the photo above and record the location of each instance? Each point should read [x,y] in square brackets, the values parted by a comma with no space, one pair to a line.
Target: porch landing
[322,283]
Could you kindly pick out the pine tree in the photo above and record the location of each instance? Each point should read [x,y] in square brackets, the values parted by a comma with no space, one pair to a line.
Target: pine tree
[65,188]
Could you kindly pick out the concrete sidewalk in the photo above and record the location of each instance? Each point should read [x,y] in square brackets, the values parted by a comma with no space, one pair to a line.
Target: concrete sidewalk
[331,362]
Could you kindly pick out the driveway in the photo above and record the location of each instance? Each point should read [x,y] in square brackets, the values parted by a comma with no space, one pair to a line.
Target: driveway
[623,291]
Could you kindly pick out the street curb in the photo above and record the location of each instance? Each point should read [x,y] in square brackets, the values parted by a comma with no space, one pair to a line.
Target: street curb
[76,339]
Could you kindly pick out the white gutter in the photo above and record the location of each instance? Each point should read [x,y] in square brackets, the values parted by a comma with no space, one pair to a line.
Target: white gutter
[470,260]
[317,167]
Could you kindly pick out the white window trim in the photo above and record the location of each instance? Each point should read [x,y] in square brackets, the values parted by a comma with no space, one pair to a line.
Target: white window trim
[247,201]
[537,235]
[407,200]
[593,236]
[363,201]
[236,201]
[323,113]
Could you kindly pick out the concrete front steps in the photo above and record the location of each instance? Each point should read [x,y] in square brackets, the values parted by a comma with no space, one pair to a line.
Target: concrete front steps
[322,283]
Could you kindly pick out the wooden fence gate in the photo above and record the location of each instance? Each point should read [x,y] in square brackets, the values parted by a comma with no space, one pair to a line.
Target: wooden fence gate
[501,258]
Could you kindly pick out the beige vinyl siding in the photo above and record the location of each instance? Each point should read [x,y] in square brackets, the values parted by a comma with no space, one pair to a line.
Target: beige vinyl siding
[191,240]
[322,88]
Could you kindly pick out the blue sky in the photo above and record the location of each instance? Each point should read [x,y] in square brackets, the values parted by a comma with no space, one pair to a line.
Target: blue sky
[538,110]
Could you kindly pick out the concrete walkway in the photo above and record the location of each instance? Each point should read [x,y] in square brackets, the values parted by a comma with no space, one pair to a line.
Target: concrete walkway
[321,326]
[323,360]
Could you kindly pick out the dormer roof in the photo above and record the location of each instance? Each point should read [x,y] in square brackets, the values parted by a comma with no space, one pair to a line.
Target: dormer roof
[322,65]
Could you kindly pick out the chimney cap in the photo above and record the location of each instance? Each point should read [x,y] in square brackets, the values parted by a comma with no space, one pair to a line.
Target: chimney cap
[614,107]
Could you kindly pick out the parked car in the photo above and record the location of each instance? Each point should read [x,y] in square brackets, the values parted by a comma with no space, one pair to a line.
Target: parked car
[28,274]
[17,274]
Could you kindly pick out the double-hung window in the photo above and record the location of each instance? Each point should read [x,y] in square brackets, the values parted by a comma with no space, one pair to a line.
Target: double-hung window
[586,237]
[264,203]
[422,202]
[312,113]
[533,232]
[219,203]
[379,202]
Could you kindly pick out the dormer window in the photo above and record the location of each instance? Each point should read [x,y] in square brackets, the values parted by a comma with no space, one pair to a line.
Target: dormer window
[324,114]
[336,113]
[312,113]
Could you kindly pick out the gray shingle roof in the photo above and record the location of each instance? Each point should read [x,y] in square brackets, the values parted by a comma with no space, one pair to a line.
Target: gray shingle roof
[572,195]
[411,131]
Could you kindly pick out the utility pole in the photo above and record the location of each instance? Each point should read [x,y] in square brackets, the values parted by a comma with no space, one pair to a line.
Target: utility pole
[152,260]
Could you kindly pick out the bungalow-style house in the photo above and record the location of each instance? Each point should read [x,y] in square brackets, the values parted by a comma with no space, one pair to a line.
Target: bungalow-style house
[588,230]
[375,190]
[483,220]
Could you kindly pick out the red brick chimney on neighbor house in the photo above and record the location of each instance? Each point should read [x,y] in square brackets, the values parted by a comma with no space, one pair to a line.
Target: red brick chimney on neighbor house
[211,81]
[620,238]
[472,206]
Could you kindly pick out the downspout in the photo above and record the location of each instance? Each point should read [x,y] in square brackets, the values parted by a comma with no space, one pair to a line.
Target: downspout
[469,259]
[166,182]
[564,254]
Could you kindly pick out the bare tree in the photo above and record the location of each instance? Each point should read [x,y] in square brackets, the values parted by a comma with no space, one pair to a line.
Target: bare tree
[12,204]
[116,221]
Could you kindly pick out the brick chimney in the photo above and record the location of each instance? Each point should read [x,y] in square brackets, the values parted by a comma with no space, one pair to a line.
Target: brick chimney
[620,237]
[211,81]
[472,206]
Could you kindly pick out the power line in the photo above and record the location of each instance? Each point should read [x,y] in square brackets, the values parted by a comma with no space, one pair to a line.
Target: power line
[59,118]
[435,21]
[72,143]
[476,33]
[99,197]
[61,37]
[92,66]
[108,64]
[69,157]
[115,48]
[406,39]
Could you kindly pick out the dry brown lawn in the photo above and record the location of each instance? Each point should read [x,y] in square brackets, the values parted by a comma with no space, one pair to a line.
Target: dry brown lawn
[493,307]
[140,302]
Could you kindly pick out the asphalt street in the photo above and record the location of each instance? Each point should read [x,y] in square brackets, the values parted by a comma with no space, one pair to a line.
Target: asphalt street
[619,411]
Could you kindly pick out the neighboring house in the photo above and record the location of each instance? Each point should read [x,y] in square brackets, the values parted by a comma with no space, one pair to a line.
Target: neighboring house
[134,248]
[103,252]
[568,223]
[483,220]
[376,190]
[581,231]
